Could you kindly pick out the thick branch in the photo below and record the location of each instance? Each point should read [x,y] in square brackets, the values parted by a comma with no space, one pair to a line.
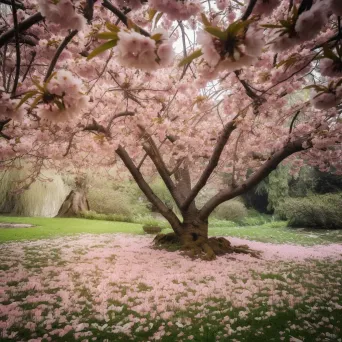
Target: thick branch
[257,177]
[153,152]
[146,189]
[249,9]
[23,26]
[60,49]
[118,115]
[9,2]
[215,157]
[107,4]
[17,48]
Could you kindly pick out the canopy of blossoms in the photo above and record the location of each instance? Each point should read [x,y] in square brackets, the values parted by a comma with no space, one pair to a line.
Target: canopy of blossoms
[81,79]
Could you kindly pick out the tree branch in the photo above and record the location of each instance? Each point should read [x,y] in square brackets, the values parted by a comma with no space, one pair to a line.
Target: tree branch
[17,48]
[249,10]
[22,26]
[33,55]
[2,125]
[116,116]
[221,143]
[153,152]
[9,2]
[107,4]
[259,175]
[145,188]
[60,49]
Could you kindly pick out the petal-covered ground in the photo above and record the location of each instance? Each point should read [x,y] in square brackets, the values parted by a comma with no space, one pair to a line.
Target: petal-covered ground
[116,287]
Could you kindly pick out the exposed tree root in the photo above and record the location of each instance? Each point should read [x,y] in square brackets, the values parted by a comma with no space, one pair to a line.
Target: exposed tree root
[206,250]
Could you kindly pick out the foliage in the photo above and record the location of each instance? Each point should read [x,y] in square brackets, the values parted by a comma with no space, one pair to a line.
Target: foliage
[321,211]
[278,187]
[160,189]
[43,197]
[93,215]
[106,200]
[230,211]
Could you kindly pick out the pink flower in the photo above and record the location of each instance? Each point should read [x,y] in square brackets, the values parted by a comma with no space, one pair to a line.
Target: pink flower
[324,101]
[177,10]
[62,13]
[330,68]
[315,19]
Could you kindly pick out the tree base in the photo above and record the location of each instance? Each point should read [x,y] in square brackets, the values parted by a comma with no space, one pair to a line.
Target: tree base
[207,250]
[75,203]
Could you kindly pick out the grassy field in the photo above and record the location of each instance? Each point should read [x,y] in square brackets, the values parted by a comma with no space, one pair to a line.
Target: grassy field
[273,232]
[116,288]
[77,287]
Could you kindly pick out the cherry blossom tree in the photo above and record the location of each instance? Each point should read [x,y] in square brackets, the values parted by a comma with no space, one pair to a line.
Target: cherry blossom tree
[182,88]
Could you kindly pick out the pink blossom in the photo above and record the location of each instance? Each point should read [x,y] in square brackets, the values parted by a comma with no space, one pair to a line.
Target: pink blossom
[177,10]
[330,68]
[62,13]
[311,22]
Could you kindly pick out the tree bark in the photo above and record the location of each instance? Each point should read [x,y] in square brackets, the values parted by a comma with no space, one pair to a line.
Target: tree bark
[74,204]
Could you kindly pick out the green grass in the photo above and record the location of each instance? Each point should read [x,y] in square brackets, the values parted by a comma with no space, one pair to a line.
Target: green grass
[282,235]
[273,232]
[54,227]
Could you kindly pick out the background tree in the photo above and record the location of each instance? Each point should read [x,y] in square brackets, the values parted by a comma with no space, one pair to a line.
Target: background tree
[175,87]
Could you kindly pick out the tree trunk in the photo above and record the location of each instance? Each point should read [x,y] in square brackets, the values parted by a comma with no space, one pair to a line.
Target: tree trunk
[74,203]
[195,243]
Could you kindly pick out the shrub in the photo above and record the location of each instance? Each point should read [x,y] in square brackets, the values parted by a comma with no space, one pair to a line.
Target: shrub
[93,215]
[106,200]
[321,211]
[150,221]
[213,222]
[230,211]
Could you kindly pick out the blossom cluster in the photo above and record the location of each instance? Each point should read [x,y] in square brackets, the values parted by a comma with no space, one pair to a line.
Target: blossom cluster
[138,51]
[240,54]
[67,90]
[177,10]
[62,13]
[8,108]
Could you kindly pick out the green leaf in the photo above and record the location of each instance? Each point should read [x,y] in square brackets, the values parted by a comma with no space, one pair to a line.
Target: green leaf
[316,87]
[159,15]
[205,20]
[27,96]
[107,35]
[36,100]
[216,32]
[271,26]
[112,27]
[59,104]
[36,83]
[157,37]
[102,48]
[191,57]
[151,13]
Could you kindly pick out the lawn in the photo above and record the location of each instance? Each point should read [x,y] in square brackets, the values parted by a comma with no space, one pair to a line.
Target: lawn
[273,232]
[54,227]
[116,288]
